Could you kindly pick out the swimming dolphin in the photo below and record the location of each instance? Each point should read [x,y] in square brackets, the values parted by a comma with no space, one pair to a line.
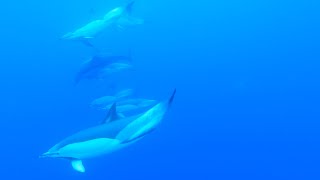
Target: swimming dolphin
[119,17]
[121,101]
[102,101]
[129,106]
[138,102]
[102,65]
[111,135]
[104,59]
[103,72]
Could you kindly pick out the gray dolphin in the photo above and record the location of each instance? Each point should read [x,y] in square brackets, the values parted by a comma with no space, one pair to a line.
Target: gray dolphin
[111,135]
[119,17]
[129,106]
[102,101]
[102,65]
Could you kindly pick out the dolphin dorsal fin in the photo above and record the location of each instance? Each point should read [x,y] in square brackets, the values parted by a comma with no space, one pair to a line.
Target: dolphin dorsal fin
[112,114]
[129,7]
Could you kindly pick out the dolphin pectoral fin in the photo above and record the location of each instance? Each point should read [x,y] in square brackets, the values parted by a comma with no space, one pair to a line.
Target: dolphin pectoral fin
[87,42]
[77,165]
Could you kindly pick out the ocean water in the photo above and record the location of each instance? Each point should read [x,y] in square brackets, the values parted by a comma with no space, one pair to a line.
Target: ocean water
[246,73]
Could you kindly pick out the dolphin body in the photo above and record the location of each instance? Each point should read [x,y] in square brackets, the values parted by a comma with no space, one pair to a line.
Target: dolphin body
[130,106]
[102,101]
[111,135]
[103,72]
[102,65]
[119,17]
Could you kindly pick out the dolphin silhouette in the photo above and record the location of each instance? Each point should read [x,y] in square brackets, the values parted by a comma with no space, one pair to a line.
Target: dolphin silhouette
[102,65]
[112,134]
[106,100]
[119,17]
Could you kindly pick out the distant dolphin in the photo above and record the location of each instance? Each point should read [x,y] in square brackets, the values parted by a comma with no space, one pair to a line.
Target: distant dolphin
[102,65]
[129,106]
[111,135]
[102,101]
[103,72]
[119,17]
[137,102]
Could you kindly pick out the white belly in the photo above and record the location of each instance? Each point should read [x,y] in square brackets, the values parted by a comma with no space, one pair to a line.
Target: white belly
[91,148]
[91,29]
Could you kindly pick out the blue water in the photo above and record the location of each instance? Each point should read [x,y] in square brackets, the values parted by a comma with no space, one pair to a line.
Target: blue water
[246,73]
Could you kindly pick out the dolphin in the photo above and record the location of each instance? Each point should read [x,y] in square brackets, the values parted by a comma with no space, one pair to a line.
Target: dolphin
[112,134]
[119,17]
[102,101]
[102,65]
[103,72]
[129,106]
[138,102]
[102,60]
[124,93]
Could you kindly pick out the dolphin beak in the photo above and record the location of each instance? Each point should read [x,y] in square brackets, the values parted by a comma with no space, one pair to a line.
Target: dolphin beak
[47,154]
[66,36]
[44,155]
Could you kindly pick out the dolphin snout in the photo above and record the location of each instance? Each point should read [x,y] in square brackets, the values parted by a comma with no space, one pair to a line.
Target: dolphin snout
[48,154]
[44,155]
[66,36]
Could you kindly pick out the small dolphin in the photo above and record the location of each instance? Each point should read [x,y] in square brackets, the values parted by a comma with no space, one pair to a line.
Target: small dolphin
[138,102]
[126,108]
[119,17]
[124,93]
[102,65]
[115,67]
[102,101]
[111,135]
[129,106]
[104,59]
[103,73]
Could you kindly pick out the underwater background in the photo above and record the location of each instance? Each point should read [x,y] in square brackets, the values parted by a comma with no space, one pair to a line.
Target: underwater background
[246,73]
